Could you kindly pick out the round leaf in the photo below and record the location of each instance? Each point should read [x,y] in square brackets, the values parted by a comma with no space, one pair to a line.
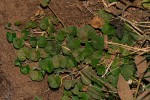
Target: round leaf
[44,23]
[21,55]
[18,43]
[10,36]
[35,55]
[25,69]
[100,70]
[107,29]
[36,75]
[17,62]
[54,81]
[42,42]
[55,61]
[31,24]
[62,61]
[46,65]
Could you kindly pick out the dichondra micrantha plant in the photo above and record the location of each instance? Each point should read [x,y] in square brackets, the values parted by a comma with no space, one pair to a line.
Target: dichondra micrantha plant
[71,57]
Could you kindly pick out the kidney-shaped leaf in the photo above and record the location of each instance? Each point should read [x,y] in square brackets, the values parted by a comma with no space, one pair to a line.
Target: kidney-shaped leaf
[55,61]
[21,55]
[46,65]
[35,55]
[107,29]
[42,42]
[18,43]
[36,75]
[10,36]
[25,69]
[54,81]
[33,42]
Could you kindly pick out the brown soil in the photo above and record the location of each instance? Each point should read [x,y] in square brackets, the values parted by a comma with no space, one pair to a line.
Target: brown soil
[14,85]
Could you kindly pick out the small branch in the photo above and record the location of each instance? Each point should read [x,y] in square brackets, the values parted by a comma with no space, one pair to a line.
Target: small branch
[107,69]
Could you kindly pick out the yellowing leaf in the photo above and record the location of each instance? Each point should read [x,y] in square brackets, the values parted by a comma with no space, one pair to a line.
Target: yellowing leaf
[97,22]
[141,64]
[124,89]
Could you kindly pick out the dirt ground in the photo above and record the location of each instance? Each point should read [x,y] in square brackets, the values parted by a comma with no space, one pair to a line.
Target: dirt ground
[14,85]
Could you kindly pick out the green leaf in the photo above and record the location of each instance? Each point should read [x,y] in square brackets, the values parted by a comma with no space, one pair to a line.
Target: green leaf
[43,54]
[103,14]
[17,23]
[35,55]
[51,28]
[67,93]
[71,62]
[55,61]
[94,62]
[75,98]
[17,62]
[25,69]
[107,29]
[33,42]
[86,52]
[54,19]
[83,96]
[37,98]
[62,61]
[98,42]
[44,23]
[146,5]
[83,33]
[18,43]
[42,42]
[128,71]
[97,54]
[31,24]
[75,90]
[46,65]
[59,61]
[71,30]
[112,1]
[68,84]
[54,81]
[61,35]
[36,75]
[21,55]
[74,43]
[53,48]
[65,98]
[25,34]
[27,51]
[100,70]
[130,41]
[145,1]
[10,36]
[44,3]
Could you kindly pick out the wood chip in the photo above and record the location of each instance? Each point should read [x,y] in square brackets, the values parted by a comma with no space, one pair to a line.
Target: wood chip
[141,64]
[123,89]
[97,22]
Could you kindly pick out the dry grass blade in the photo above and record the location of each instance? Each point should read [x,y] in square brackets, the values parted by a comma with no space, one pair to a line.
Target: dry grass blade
[141,64]
[124,89]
